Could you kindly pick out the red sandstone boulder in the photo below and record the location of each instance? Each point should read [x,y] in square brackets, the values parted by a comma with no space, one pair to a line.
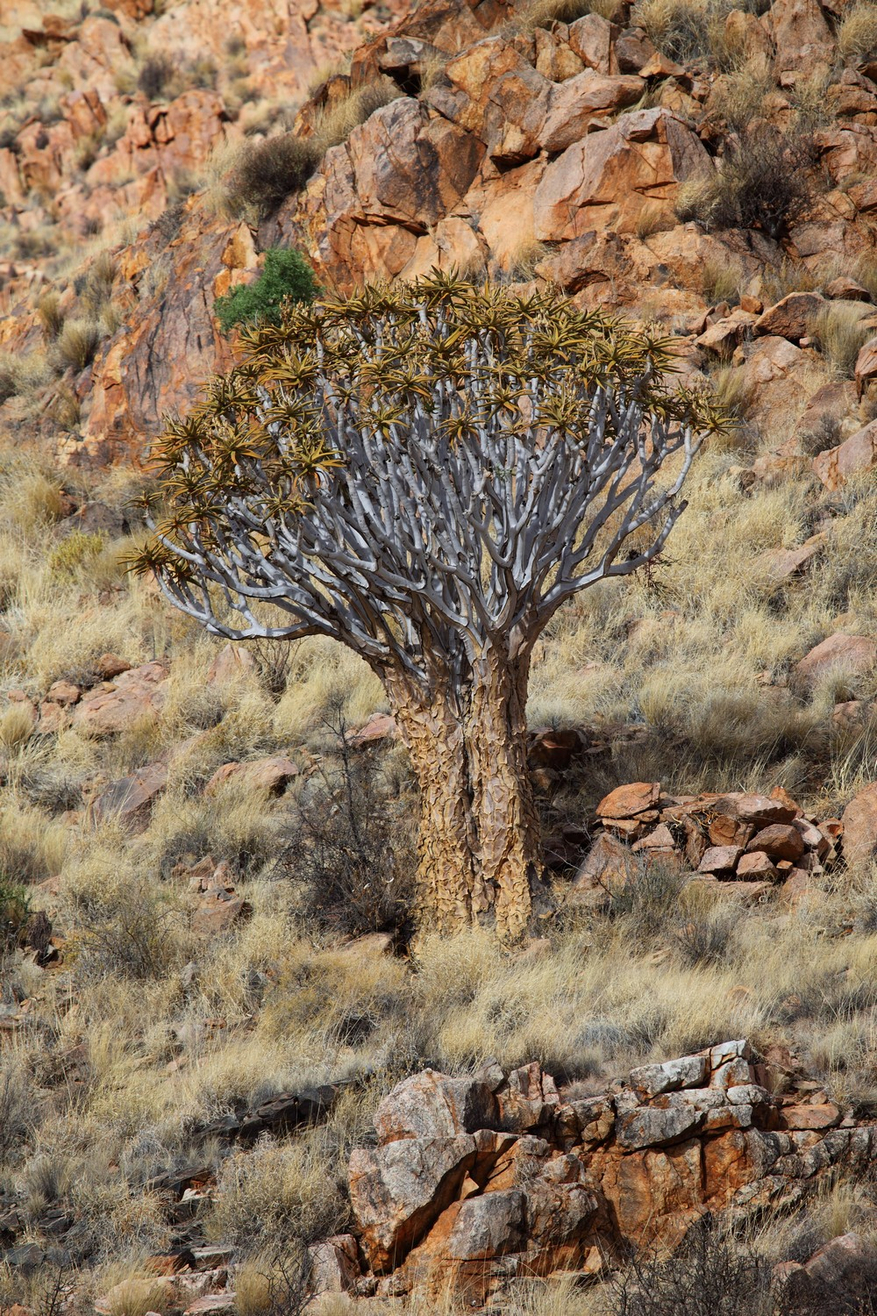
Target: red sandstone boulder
[858,453]
[269,776]
[116,705]
[396,176]
[720,859]
[219,913]
[790,318]
[432,1105]
[130,799]
[232,663]
[781,841]
[755,809]
[630,800]
[860,826]
[852,655]
[605,180]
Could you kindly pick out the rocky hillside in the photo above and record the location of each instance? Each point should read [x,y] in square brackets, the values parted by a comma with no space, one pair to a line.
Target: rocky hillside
[232,1074]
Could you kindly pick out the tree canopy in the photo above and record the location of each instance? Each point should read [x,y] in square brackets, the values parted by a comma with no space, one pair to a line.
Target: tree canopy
[435,451]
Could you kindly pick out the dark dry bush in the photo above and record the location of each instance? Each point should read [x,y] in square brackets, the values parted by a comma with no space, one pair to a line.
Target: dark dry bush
[16,1107]
[348,848]
[702,939]
[762,183]
[154,76]
[122,934]
[648,901]
[269,172]
[711,1274]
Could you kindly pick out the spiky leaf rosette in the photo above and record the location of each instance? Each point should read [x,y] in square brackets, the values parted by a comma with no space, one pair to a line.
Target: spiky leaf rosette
[421,469]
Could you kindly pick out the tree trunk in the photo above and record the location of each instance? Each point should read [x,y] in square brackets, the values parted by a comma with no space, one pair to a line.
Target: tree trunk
[478,844]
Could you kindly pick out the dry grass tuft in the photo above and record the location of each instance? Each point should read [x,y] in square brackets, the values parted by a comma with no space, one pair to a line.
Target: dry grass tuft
[76,345]
[722,280]
[840,334]
[337,122]
[266,173]
[857,34]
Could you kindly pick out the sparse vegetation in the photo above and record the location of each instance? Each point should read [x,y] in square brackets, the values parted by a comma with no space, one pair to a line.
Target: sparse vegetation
[840,333]
[335,124]
[76,345]
[155,74]
[129,1035]
[761,183]
[857,34]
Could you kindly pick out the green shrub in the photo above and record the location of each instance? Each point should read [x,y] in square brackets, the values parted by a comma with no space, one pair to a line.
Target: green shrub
[286,275]
[14,912]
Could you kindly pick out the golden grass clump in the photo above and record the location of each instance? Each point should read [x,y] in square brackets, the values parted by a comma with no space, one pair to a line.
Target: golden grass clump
[841,334]
[280,1193]
[76,345]
[857,34]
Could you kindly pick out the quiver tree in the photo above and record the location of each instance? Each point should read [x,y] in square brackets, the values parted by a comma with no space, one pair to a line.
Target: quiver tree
[426,472]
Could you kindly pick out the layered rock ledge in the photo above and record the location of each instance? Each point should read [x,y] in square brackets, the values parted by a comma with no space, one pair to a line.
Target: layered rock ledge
[483,1179]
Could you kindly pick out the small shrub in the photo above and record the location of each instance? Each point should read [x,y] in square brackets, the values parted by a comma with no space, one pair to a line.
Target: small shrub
[9,378]
[285,276]
[721,281]
[839,331]
[273,1284]
[344,849]
[789,276]
[136,1297]
[76,345]
[279,1194]
[338,120]
[522,263]
[51,316]
[857,35]
[14,912]
[154,76]
[16,727]
[121,932]
[704,937]
[709,1275]
[542,13]
[734,389]
[647,901]
[78,548]
[761,184]
[96,288]
[825,433]
[267,173]
[737,97]
[16,1105]
[679,28]
[169,222]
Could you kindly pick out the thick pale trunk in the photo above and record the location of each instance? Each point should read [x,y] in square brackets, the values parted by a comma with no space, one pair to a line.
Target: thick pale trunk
[478,845]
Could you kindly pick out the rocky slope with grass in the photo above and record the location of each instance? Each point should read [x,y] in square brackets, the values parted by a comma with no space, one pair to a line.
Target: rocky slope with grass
[232,1071]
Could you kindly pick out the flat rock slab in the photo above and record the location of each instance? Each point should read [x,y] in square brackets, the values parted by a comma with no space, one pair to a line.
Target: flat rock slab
[860,826]
[853,655]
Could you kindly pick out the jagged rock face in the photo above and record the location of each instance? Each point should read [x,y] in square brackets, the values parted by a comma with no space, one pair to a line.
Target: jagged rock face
[550,1184]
